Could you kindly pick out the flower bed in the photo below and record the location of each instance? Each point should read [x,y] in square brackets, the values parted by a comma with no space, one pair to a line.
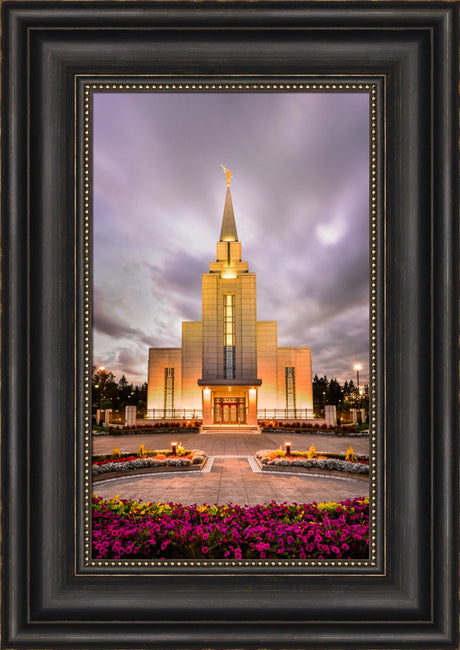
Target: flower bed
[130,529]
[157,427]
[312,460]
[348,431]
[145,460]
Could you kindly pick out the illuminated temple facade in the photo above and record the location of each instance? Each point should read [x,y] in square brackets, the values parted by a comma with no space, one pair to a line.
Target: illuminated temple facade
[230,368]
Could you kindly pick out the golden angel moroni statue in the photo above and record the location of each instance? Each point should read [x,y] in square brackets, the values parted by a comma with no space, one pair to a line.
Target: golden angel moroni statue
[228,173]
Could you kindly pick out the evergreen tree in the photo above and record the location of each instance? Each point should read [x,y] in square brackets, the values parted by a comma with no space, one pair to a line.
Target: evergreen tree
[320,386]
[124,392]
[334,393]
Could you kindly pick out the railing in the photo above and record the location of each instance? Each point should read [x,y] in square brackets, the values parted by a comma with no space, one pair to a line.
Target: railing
[345,417]
[285,414]
[174,414]
[117,417]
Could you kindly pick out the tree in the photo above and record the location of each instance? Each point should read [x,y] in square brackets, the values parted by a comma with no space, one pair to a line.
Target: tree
[334,393]
[139,397]
[143,392]
[320,386]
[344,397]
[364,398]
[102,380]
[349,395]
[108,393]
[124,392]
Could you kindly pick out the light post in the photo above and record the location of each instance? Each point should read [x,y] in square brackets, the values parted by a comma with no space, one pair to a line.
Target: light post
[94,402]
[358,367]
[101,370]
[103,377]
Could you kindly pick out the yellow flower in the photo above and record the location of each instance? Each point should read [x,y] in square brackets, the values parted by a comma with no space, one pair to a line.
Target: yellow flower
[311,452]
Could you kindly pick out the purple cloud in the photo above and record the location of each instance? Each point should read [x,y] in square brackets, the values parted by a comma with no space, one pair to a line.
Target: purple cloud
[300,194]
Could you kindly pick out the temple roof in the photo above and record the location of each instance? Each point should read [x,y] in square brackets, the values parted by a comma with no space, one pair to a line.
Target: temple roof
[228,230]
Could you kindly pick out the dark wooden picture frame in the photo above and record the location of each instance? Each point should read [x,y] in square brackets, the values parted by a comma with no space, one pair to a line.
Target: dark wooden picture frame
[409,598]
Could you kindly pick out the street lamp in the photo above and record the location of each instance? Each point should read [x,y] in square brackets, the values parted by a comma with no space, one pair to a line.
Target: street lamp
[103,377]
[358,367]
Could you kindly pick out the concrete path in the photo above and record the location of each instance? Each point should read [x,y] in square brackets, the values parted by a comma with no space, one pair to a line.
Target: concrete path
[230,475]
[234,444]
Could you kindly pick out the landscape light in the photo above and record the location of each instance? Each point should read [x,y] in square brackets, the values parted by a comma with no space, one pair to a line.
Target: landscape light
[174,448]
[288,448]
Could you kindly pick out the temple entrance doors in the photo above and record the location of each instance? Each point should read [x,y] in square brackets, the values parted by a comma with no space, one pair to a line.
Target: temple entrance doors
[229,410]
[230,406]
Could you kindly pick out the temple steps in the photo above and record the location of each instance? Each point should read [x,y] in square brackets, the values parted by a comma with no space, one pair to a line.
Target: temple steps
[230,428]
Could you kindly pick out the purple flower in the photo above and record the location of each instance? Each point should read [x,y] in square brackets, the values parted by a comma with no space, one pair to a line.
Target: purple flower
[129,528]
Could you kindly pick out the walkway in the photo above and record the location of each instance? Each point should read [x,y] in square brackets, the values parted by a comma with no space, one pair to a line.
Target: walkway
[230,477]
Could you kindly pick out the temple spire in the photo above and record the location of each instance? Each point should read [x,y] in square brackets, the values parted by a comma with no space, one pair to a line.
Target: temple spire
[228,230]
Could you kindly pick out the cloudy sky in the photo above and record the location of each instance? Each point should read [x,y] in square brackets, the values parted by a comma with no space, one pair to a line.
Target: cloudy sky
[300,195]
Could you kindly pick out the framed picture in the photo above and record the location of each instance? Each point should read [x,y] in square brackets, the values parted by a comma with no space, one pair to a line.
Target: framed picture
[196,318]
[62,62]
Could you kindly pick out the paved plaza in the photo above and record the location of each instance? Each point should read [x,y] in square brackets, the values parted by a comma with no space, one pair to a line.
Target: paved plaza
[231,475]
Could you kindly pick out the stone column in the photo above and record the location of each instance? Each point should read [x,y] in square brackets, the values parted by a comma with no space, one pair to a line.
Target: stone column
[107,414]
[130,415]
[207,410]
[354,416]
[252,406]
[363,415]
[330,415]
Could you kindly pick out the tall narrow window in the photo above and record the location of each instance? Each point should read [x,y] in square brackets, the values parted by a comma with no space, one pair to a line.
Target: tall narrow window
[290,391]
[169,392]
[229,336]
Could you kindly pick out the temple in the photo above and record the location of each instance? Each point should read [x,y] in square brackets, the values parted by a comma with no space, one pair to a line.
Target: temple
[230,370]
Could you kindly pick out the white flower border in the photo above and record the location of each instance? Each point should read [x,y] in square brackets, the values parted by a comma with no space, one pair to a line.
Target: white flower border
[140,463]
[328,464]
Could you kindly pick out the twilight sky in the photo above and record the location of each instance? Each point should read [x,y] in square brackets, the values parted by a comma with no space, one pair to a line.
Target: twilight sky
[300,196]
